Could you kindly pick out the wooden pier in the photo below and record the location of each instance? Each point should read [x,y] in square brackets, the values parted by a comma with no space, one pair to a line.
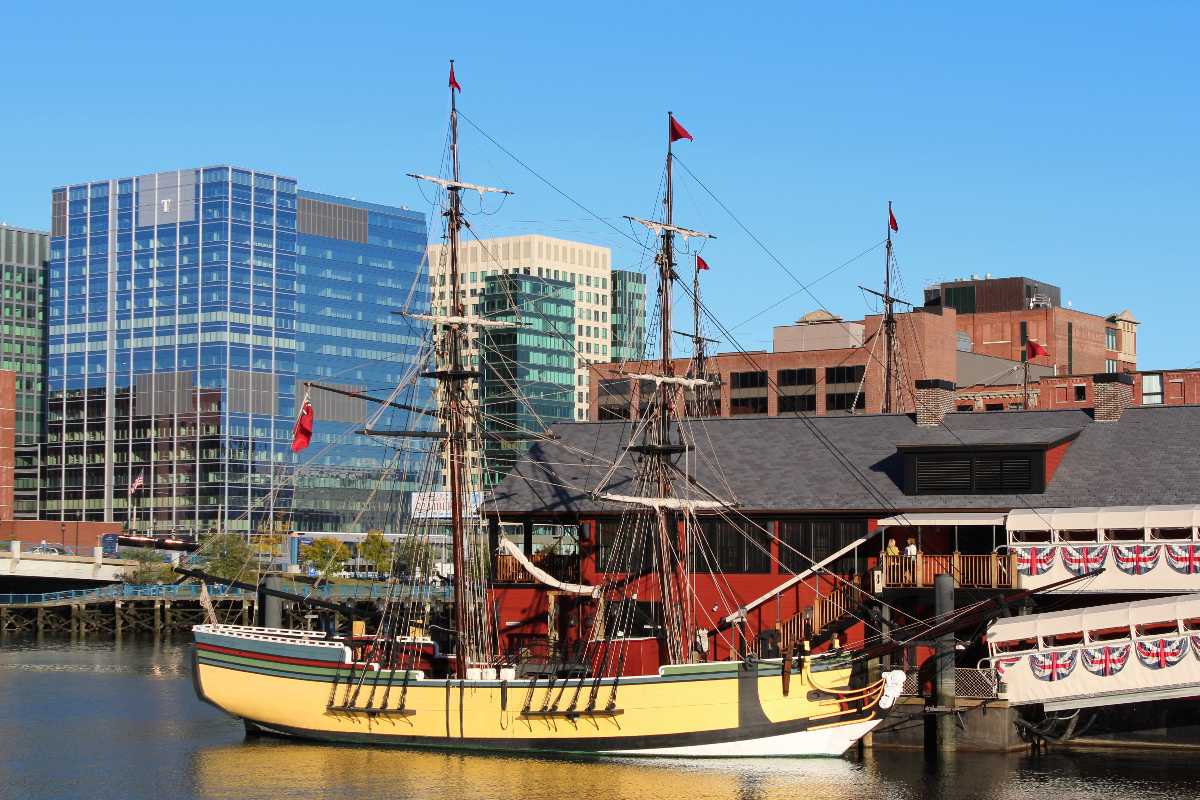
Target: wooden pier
[129,610]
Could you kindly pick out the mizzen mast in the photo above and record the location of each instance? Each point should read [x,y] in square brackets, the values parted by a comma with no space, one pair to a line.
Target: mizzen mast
[890,365]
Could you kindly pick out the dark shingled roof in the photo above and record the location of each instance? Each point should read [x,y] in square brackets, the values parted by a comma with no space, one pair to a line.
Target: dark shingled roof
[851,463]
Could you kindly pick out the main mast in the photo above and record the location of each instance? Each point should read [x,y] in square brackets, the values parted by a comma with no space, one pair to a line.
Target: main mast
[456,429]
[453,375]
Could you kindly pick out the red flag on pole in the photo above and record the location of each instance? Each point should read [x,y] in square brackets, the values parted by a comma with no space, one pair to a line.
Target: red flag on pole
[678,131]
[302,433]
[454,82]
[892,220]
[701,263]
[1033,349]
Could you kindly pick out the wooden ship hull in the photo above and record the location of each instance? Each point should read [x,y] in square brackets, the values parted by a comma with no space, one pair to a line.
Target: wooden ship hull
[289,683]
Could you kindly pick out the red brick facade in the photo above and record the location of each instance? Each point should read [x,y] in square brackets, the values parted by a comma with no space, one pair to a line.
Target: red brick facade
[925,344]
[1178,387]
[1077,342]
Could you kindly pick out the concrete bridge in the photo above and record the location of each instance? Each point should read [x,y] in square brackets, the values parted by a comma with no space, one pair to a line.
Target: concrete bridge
[94,568]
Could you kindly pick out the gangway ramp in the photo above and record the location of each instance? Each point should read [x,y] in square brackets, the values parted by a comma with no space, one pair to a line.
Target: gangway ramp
[1100,656]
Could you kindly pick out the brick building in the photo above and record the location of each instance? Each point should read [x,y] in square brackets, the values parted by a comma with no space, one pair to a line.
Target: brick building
[821,364]
[1052,392]
[971,335]
[998,316]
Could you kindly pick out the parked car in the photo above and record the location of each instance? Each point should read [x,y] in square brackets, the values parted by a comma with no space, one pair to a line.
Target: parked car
[52,550]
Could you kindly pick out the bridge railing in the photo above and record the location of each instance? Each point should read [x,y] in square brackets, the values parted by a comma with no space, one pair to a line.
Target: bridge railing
[191,591]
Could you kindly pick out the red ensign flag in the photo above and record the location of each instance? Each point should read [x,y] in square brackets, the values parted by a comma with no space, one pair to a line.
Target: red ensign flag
[892,220]
[1034,349]
[701,263]
[302,433]
[679,132]
[454,82]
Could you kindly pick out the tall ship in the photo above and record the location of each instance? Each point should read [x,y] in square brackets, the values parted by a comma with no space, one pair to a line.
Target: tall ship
[604,679]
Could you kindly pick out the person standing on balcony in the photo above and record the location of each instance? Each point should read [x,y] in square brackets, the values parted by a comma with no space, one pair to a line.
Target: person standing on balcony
[910,560]
[892,549]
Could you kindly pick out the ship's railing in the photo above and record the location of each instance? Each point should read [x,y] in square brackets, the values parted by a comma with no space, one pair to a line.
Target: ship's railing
[987,571]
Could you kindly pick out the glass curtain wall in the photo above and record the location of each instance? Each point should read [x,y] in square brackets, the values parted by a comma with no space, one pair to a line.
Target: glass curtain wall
[528,371]
[358,264]
[171,350]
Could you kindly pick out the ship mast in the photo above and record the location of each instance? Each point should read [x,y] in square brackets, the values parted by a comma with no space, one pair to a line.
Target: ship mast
[657,448]
[889,321]
[452,374]
[890,364]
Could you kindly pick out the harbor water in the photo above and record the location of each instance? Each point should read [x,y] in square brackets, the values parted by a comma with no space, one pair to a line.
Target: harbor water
[120,720]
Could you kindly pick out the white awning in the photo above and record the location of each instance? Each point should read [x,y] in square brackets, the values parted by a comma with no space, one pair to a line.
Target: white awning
[1103,518]
[1116,615]
[926,518]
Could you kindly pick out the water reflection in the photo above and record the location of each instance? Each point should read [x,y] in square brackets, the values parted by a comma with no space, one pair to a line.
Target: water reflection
[120,721]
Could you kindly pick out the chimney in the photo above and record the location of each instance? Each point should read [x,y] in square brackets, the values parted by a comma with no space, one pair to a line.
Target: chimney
[1114,394]
[935,399]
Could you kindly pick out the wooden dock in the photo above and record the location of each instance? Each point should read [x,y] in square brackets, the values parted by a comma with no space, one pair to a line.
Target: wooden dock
[125,609]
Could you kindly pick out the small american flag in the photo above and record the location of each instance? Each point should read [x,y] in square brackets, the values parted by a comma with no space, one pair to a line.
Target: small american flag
[138,482]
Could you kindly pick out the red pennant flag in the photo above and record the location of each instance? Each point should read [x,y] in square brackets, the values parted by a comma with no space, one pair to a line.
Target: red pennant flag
[302,433]
[453,81]
[892,220]
[1033,349]
[678,131]
[701,263]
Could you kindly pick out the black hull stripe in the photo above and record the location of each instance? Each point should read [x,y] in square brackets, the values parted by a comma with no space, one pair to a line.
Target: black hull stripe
[590,745]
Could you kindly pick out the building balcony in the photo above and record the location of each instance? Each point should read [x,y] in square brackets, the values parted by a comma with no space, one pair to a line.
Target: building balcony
[561,567]
[987,571]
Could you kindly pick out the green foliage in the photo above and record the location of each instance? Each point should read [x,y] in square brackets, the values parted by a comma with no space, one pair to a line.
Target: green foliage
[327,555]
[228,555]
[150,567]
[377,550]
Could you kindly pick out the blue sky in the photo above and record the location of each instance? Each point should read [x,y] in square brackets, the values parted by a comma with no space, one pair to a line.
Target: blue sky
[1057,141]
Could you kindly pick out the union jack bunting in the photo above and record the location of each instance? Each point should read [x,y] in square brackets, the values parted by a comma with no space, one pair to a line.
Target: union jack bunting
[1162,653]
[1034,560]
[1001,665]
[1053,666]
[1105,661]
[1136,559]
[1196,646]
[1184,558]
[1082,560]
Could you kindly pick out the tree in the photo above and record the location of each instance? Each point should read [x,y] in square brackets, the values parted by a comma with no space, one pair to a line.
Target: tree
[150,567]
[327,555]
[228,555]
[377,550]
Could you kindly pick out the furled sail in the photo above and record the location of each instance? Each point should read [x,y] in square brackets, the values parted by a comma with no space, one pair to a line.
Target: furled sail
[545,577]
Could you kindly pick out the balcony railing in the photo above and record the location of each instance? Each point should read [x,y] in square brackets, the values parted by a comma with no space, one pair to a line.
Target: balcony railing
[563,567]
[988,571]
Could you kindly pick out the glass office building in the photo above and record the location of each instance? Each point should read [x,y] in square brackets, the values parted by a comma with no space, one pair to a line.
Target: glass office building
[628,315]
[23,257]
[357,264]
[528,371]
[172,350]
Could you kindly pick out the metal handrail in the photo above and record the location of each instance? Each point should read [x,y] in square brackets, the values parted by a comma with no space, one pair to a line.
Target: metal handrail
[123,591]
